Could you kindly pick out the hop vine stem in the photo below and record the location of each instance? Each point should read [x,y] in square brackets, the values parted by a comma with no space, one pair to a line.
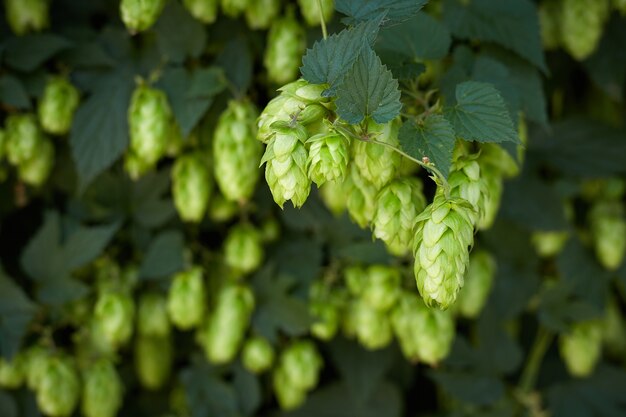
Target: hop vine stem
[320,8]
[540,346]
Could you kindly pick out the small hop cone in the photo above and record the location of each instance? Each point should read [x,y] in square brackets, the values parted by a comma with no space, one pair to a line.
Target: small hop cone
[301,364]
[289,396]
[149,118]
[582,24]
[376,163]
[549,22]
[257,355]
[424,334]
[608,230]
[236,151]
[581,347]
[26,16]
[311,12]
[36,170]
[328,158]
[614,329]
[186,299]
[153,361]
[380,287]
[495,157]
[140,15]
[371,327]
[227,324]
[36,359]
[58,391]
[243,248]
[23,137]
[57,106]
[261,13]
[467,182]
[152,319]
[102,390]
[619,5]
[397,206]
[203,10]
[233,8]
[286,43]
[13,372]
[361,197]
[478,283]
[444,232]
[191,186]
[325,305]
[114,315]
[333,194]
[286,165]
[494,183]
[549,243]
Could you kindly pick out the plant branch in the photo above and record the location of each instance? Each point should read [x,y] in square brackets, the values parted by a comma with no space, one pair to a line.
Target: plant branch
[320,8]
[540,346]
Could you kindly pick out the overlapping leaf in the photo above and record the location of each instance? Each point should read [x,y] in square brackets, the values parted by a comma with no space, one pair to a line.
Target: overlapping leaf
[434,138]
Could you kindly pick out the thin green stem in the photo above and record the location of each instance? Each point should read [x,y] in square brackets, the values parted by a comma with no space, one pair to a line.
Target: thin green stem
[322,21]
[540,346]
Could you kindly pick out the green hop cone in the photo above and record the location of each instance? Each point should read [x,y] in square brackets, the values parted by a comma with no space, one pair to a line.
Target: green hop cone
[150,121]
[36,358]
[233,8]
[23,137]
[619,5]
[333,195]
[424,334]
[289,396]
[26,16]
[58,391]
[608,230]
[325,305]
[311,12]
[140,15]
[57,106]
[467,182]
[494,156]
[153,361]
[191,186]
[397,206]
[3,144]
[203,10]
[186,299]
[243,248]
[614,329]
[549,21]
[301,363]
[102,390]
[582,24]
[478,283]
[286,165]
[361,197]
[371,327]
[381,287]
[13,372]
[443,234]
[257,355]
[376,163]
[261,13]
[152,319]
[227,324]
[286,43]
[114,315]
[581,347]
[35,171]
[236,151]
[328,157]
[221,210]
[549,243]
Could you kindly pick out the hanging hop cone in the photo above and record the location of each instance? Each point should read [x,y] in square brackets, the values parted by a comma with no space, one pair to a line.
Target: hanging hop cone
[301,363]
[286,43]
[13,371]
[102,390]
[140,15]
[289,396]
[478,283]
[581,347]
[152,319]
[397,206]
[114,316]
[549,243]
[191,186]
[467,182]
[23,137]
[311,12]
[58,391]
[261,13]
[549,22]
[26,16]
[582,24]
[361,197]
[286,164]
[36,170]
[186,299]
[153,361]
[333,195]
[614,329]
[325,305]
[257,355]
[57,105]
[608,231]
[236,151]
[444,233]
[203,10]
[371,327]
[243,249]
[233,8]
[35,359]
[380,286]
[328,157]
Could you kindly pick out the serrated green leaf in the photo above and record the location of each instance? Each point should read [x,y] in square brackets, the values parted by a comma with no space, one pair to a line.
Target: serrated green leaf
[164,256]
[16,312]
[394,10]
[368,90]
[513,24]
[607,66]
[330,59]
[480,114]
[178,34]
[12,92]
[207,394]
[470,388]
[248,389]
[237,62]
[26,53]
[99,133]
[434,138]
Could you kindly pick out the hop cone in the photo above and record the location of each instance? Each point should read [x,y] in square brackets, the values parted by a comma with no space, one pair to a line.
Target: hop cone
[425,335]
[26,16]
[370,326]
[582,24]
[36,359]
[311,13]
[467,182]
[243,249]
[13,372]
[443,233]
[113,315]
[152,317]
[328,158]
[325,306]
[257,355]
[581,347]
[227,324]
[376,163]
[285,46]
[191,186]
[222,210]
[361,197]
[57,106]
[236,151]
[276,110]
[333,195]
[186,299]
[35,170]
[380,287]
[261,13]
[289,396]
[301,364]
[23,137]
[140,15]
[620,5]
[286,165]
[608,230]
[203,10]
[149,118]
[397,206]
[550,243]
[614,329]
[102,390]
[478,283]
[234,8]
[58,391]
[496,157]
[153,361]
[549,21]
